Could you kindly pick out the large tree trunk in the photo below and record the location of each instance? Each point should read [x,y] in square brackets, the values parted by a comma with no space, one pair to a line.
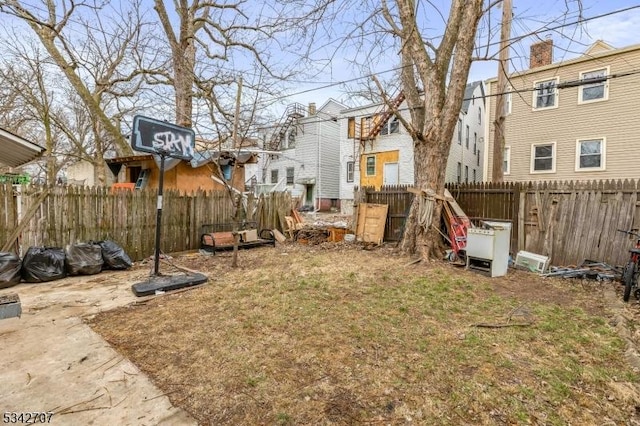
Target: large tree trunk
[184,62]
[430,171]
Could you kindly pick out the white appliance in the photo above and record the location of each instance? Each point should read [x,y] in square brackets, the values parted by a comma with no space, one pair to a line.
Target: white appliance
[488,248]
[532,262]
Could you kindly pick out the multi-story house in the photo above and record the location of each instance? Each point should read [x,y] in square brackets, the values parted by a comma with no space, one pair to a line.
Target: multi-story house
[376,150]
[571,120]
[302,155]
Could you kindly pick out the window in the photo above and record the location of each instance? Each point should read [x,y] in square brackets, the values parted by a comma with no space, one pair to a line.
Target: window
[543,158]
[479,115]
[596,91]
[350,165]
[289,175]
[507,101]
[475,179]
[459,173]
[475,142]
[274,176]
[292,138]
[590,154]
[545,94]
[506,160]
[351,127]
[478,163]
[460,132]
[391,126]
[466,137]
[371,166]
[466,174]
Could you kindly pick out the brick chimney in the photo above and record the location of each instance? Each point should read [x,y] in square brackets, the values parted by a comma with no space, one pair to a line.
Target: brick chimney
[541,54]
[312,108]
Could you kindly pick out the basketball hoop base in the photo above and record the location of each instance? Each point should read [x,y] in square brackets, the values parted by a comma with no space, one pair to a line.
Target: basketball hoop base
[166,283]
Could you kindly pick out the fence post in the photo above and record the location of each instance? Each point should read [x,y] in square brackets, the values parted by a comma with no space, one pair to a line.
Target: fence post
[521,214]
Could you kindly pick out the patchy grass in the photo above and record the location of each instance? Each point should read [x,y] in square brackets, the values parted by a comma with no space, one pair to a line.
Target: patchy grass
[352,336]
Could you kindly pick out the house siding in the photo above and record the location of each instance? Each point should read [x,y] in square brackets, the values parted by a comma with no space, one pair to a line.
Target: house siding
[460,153]
[385,146]
[616,119]
[316,155]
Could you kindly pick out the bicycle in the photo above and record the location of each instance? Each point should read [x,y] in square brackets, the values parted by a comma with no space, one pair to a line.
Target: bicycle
[632,269]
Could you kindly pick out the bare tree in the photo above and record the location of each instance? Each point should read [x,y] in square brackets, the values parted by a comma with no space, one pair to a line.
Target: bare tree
[99,65]
[203,45]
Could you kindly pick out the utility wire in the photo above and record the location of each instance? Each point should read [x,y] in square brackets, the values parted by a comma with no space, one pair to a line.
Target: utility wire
[370,75]
[562,85]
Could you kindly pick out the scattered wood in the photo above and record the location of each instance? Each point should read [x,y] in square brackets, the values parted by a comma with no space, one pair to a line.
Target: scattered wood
[161,395]
[510,324]
[279,236]
[413,262]
[66,409]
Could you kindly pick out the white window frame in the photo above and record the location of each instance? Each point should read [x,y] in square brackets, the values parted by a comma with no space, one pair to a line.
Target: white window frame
[350,171]
[366,166]
[603,155]
[508,101]
[291,177]
[391,127]
[556,94]
[605,83]
[554,155]
[507,158]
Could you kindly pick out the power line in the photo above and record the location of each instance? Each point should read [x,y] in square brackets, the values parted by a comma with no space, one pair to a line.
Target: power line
[370,75]
[562,85]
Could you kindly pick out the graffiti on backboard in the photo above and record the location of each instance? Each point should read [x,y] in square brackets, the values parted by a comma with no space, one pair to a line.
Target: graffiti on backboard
[159,137]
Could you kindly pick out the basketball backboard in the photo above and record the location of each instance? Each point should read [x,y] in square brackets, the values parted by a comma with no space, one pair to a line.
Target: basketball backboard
[159,137]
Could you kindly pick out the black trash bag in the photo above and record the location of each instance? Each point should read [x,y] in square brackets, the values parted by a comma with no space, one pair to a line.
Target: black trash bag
[83,259]
[42,264]
[10,266]
[114,256]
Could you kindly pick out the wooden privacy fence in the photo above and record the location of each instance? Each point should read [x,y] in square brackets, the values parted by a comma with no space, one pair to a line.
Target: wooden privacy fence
[76,214]
[568,221]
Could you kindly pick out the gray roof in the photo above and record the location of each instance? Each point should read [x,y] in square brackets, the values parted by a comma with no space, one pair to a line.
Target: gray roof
[16,151]
[468,94]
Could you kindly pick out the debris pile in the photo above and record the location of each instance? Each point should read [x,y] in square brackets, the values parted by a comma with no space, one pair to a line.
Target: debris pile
[588,269]
[312,235]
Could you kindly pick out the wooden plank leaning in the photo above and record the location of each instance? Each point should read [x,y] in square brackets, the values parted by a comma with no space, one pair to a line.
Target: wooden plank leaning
[25,220]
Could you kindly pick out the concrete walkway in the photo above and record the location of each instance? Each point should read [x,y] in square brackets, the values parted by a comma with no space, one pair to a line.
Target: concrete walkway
[51,361]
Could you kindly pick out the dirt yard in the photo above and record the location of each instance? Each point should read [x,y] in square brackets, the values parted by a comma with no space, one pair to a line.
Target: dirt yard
[335,334]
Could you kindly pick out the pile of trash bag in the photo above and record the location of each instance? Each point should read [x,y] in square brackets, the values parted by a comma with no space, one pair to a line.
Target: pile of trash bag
[42,264]
[114,256]
[83,259]
[10,270]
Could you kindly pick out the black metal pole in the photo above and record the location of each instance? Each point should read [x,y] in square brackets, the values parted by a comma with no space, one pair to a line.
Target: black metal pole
[156,260]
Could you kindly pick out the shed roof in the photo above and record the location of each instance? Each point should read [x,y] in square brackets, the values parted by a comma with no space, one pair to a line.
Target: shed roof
[16,151]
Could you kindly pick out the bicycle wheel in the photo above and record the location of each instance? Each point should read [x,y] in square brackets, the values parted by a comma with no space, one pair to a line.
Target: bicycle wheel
[627,279]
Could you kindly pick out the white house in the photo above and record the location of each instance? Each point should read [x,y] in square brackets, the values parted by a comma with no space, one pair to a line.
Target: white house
[376,150]
[303,155]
